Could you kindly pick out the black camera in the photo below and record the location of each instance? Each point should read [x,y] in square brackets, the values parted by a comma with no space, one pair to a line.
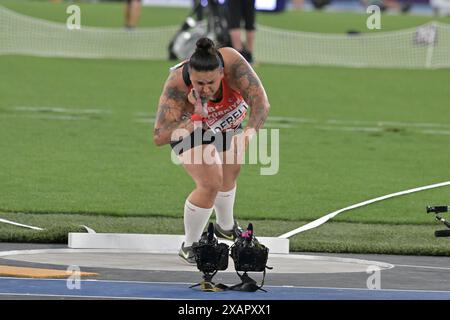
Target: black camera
[210,255]
[437,210]
[248,254]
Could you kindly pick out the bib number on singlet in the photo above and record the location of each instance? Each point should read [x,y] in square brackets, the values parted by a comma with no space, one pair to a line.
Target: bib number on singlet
[229,120]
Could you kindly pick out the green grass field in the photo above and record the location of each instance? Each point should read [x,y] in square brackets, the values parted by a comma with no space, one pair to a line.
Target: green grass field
[76,144]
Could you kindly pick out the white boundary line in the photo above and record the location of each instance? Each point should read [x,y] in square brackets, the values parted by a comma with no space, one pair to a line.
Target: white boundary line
[20,225]
[421,267]
[322,220]
[46,109]
[9,255]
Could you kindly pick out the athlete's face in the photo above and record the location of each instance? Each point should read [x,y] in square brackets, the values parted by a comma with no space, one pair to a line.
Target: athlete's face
[206,83]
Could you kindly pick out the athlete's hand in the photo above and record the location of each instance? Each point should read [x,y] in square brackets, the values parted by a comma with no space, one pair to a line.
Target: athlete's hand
[242,140]
[199,105]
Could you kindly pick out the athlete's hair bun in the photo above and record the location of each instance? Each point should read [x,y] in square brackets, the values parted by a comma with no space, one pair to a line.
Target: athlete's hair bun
[206,44]
[205,57]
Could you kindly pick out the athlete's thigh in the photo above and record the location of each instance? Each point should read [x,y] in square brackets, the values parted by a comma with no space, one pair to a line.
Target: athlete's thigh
[203,164]
[232,153]
[231,162]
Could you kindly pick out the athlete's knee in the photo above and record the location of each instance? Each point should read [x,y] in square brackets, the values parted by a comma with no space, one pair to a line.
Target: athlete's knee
[212,185]
[228,184]
[232,173]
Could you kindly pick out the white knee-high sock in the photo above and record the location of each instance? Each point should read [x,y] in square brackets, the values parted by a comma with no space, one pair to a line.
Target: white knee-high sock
[195,219]
[223,205]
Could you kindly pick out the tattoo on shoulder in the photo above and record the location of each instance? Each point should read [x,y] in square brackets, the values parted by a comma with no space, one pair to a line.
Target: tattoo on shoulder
[246,80]
[173,111]
[172,104]
[244,75]
[175,94]
[172,76]
[252,91]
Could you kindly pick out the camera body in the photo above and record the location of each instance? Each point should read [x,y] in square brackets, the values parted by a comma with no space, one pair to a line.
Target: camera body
[248,254]
[210,255]
[437,210]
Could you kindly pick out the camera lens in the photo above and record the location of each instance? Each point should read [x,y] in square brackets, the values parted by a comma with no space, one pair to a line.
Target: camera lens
[437,209]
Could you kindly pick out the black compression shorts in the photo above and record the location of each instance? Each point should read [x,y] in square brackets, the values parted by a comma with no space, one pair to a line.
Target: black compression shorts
[241,9]
[221,140]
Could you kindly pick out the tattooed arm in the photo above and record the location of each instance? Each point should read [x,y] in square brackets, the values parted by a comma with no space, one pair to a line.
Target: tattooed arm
[172,111]
[245,80]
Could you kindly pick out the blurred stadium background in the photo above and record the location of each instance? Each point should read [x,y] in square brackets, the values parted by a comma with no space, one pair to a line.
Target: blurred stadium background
[361,113]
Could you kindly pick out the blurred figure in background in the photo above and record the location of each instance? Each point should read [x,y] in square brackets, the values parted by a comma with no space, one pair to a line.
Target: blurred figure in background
[440,7]
[388,4]
[132,13]
[320,4]
[298,4]
[198,9]
[242,10]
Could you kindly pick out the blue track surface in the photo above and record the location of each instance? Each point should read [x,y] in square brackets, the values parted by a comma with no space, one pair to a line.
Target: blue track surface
[152,290]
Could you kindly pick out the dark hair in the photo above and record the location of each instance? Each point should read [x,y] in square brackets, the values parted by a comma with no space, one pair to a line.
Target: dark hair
[205,57]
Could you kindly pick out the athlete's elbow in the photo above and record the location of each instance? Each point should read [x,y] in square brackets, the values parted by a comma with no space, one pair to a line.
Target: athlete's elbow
[158,140]
[266,108]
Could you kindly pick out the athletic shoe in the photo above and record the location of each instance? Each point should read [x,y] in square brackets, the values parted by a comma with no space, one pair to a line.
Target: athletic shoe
[187,254]
[228,234]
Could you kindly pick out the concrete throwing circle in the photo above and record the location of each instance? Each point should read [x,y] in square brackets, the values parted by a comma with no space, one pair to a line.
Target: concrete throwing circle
[141,260]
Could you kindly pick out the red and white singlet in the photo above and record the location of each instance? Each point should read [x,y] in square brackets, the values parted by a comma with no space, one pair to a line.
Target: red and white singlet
[227,113]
